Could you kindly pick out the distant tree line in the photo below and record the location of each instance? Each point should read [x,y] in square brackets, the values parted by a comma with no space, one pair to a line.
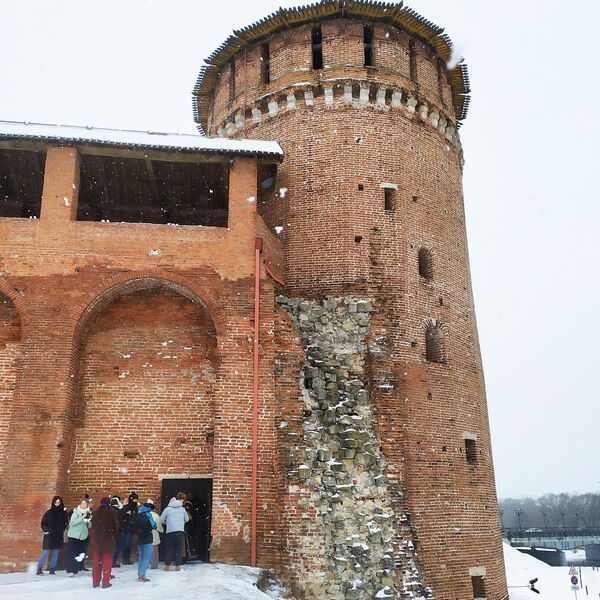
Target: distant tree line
[551,510]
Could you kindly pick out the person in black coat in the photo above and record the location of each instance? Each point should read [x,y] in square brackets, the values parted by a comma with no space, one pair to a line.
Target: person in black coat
[127,527]
[54,522]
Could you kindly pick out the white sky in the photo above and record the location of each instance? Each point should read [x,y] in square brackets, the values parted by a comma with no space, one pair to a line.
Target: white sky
[532,163]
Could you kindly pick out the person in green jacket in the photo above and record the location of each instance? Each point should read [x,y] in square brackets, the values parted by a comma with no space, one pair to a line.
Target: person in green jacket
[79,524]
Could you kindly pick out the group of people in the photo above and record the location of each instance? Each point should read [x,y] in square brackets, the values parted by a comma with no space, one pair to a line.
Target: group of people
[109,531]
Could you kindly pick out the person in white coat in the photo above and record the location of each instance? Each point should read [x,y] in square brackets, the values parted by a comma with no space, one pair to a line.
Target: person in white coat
[174,517]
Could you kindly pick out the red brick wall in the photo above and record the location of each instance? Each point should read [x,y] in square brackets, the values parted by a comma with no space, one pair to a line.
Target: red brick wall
[147,373]
[339,239]
[86,292]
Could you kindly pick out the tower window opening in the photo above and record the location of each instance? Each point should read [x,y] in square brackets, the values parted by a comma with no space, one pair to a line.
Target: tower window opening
[434,344]
[389,198]
[440,81]
[368,39]
[471,451]
[267,176]
[478,584]
[425,264]
[232,81]
[412,63]
[265,65]
[317,48]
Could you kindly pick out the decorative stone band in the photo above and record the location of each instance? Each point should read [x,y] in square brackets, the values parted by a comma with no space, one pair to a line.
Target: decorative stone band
[357,93]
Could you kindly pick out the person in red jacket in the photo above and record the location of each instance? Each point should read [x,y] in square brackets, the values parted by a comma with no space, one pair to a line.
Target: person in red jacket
[105,528]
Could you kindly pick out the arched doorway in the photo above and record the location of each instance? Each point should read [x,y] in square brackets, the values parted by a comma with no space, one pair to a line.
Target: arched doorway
[10,345]
[144,406]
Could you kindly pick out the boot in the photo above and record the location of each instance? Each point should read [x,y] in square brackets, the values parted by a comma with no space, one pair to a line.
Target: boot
[51,572]
[167,567]
[177,568]
[143,579]
[39,572]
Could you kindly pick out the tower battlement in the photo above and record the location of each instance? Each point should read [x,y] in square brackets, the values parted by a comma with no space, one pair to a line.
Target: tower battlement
[363,65]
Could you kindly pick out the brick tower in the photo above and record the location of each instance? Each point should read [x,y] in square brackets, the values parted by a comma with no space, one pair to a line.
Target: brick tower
[389,483]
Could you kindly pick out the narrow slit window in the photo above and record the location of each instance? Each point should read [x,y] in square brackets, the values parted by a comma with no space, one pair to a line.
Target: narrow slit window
[368,39]
[317,48]
[425,264]
[434,344]
[232,81]
[471,451]
[478,584]
[265,65]
[412,60]
[389,198]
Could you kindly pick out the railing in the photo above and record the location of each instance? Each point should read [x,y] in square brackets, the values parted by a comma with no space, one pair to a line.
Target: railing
[553,532]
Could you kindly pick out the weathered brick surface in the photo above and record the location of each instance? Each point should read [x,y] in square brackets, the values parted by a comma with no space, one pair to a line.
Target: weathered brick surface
[10,332]
[146,385]
[81,298]
[339,239]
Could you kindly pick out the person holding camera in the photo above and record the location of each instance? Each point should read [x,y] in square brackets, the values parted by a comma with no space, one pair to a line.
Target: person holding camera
[78,533]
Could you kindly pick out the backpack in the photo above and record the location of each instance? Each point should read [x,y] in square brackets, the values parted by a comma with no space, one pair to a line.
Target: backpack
[142,525]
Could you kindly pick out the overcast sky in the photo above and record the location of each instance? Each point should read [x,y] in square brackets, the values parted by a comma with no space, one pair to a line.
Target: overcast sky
[532,165]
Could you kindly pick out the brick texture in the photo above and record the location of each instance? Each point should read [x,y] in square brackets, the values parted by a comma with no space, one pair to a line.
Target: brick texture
[339,240]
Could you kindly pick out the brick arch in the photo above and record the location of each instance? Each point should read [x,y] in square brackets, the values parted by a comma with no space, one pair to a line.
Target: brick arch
[17,301]
[121,284]
[11,336]
[436,340]
[81,471]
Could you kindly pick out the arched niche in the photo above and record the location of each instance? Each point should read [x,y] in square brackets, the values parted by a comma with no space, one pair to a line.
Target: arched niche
[145,372]
[10,348]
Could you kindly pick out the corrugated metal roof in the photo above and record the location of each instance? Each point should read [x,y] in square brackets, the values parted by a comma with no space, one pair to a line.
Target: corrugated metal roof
[395,14]
[178,142]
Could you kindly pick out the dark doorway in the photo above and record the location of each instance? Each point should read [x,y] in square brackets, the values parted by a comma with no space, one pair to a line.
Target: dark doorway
[199,496]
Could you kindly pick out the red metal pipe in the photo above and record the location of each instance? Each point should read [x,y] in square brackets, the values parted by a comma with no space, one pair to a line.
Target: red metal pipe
[258,245]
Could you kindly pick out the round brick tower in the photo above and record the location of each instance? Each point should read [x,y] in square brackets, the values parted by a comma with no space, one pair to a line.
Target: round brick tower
[368,204]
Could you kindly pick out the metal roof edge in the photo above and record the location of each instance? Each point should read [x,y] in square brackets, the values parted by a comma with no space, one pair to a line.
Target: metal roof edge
[121,138]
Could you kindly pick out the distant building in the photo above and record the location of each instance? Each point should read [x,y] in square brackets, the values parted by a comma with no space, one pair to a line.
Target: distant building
[347,445]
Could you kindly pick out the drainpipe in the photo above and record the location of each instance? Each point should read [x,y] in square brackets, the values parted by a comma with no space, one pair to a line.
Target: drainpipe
[258,246]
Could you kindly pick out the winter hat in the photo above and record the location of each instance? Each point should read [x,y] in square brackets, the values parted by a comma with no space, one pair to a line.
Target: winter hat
[116,502]
[150,502]
[104,501]
[133,496]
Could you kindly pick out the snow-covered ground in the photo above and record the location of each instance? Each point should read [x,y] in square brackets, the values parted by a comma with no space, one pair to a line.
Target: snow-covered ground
[553,582]
[225,582]
[194,582]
